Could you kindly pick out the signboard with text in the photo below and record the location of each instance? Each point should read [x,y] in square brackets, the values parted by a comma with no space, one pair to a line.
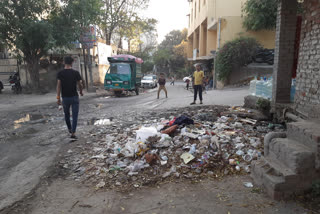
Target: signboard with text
[88,37]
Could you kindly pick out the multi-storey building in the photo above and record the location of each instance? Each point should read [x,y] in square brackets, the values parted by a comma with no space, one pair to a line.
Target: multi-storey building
[214,22]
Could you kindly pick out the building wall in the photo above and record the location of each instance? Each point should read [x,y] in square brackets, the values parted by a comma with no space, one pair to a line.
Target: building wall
[231,28]
[230,12]
[307,98]
[197,16]
[211,40]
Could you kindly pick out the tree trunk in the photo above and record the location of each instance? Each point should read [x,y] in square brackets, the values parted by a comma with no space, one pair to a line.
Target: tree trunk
[108,37]
[120,43]
[129,45]
[33,70]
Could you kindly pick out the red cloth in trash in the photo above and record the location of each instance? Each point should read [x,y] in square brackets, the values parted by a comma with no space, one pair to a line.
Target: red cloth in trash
[172,121]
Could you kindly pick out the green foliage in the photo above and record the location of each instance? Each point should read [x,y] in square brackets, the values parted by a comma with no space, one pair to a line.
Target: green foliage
[173,39]
[147,67]
[36,39]
[183,72]
[316,189]
[260,14]
[161,57]
[140,34]
[32,27]
[234,54]
[171,52]
[118,13]
[263,104]
[73,17]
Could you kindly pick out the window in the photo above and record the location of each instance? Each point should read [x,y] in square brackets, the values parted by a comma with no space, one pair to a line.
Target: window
[195,10]
[147,78]
[199,5]
[204,2]
[120,68]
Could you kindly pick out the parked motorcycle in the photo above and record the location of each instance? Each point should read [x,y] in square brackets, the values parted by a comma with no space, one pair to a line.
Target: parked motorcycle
[264,56]
[1,87]
[15,84]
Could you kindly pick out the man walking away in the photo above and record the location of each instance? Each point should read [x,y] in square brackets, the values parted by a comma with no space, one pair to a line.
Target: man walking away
[67,82]
[162,82]
[197,81]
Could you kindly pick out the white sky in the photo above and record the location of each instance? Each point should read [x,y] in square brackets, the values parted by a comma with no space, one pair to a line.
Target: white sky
[171,15]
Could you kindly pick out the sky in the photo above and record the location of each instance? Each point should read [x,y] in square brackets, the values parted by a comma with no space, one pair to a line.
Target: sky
[171,15]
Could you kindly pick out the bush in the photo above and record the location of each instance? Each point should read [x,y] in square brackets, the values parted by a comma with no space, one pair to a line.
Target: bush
[235,54]
[263,105]
[316,188]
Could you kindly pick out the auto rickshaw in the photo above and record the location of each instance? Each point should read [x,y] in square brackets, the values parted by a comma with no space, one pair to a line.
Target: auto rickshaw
[124,74]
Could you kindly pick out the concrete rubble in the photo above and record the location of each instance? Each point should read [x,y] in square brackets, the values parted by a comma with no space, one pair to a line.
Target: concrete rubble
[208,142]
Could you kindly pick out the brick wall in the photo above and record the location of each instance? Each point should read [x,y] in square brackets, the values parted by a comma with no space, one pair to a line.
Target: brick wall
[307,98]
[284,51]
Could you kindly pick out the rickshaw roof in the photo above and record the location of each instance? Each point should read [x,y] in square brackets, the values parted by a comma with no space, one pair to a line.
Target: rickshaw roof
[125,58]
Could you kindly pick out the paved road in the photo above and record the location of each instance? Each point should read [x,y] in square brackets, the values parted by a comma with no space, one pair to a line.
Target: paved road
[32,130]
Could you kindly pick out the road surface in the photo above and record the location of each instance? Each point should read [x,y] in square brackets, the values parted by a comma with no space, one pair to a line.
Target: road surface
[33,132]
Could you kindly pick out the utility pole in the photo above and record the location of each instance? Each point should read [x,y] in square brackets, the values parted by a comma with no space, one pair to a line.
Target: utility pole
[90,66]
[85,68]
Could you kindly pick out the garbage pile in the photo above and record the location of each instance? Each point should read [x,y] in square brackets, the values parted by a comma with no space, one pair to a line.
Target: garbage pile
[200,143]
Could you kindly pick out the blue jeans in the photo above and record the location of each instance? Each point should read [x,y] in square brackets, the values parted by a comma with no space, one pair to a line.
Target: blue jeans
[74,103]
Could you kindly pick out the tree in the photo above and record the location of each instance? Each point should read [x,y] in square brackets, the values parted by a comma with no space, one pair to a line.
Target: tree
[260,14]
[33,27]
[171,51]
[139,32]
[25,28]
[77,15]
[141,35]
[172,39]
[117,13]
[234,54]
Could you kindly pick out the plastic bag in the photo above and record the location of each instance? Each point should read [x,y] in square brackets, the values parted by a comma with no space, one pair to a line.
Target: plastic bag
[137,166]
[144,133]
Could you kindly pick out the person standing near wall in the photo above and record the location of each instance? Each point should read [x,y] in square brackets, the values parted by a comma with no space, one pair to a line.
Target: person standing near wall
[67,81]
[198,76]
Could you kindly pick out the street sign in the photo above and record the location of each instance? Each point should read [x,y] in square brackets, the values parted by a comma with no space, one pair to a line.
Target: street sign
[88,36]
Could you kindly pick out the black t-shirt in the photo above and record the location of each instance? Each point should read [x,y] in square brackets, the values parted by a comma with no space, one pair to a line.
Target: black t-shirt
[69,79]
[162,81]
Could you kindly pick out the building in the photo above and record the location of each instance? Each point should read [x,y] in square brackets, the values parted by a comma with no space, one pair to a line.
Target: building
[214,22]
[291,161]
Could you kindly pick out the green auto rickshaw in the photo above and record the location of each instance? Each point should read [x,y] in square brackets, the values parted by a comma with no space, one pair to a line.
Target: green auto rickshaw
[124,74]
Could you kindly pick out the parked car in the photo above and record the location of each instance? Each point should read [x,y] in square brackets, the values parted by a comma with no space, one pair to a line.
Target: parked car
[149,81]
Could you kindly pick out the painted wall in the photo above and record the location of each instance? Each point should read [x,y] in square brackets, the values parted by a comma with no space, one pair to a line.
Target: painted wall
[228,8]
[211,41]
[197,16]
[231,28]
[230,11]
